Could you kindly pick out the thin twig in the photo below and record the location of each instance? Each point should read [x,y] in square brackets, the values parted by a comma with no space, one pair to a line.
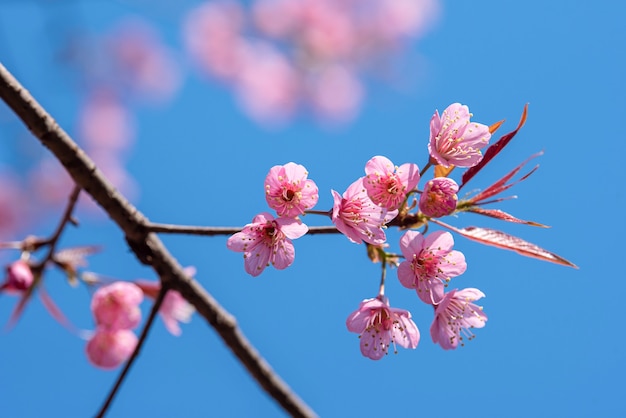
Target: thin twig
[147,246]
[219,230]
[65,219]
[142,338]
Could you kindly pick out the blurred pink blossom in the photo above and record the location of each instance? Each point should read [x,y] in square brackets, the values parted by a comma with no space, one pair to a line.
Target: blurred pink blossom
[386,184]
[301,54]
[454,140]
[429,263]
[105,124]
[108,349]
[439,197]
[335,93]
[379,326]
[143,63]
[212,34]
[116,306]
[267,240]
[456,315]
[288,191]
[357,217]
[19,277]
[174,308]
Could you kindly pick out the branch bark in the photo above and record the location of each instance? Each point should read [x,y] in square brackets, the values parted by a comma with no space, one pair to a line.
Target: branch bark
[147,246]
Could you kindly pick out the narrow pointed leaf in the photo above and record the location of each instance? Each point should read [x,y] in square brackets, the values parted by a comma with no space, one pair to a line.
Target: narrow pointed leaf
[505,241]
[493,128]
[500,185]
[54,310]
[493,150]
[76,256]
[21,304]
[499,214]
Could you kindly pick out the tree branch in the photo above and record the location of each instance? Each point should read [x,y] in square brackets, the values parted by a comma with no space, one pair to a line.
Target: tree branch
[146,245]
[220,230]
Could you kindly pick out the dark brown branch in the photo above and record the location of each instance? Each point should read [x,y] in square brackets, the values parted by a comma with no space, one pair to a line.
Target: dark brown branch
[146,245]
[220,230]
[142,338]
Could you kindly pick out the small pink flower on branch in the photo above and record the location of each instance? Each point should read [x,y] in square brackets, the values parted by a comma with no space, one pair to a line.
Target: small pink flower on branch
[429,264]
[108,349]
[288,191]
[267,240]
[456,315]
[379,326]
[454,140]
[388,185]
[357,217]
[116,306]
[175,308]
[439,197]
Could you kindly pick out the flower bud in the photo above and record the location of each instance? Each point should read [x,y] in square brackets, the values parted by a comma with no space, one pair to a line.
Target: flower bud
[439,197]
[19,276]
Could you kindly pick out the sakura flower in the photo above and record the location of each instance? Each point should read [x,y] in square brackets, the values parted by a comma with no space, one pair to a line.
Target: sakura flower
[288,191]
[19,277]
[116,306]
[357,217]
[429,263]
[174,308]
[439,197]
[456,314]
[267,240]
[454,140]
[386,184]
[380,325]
[108,349]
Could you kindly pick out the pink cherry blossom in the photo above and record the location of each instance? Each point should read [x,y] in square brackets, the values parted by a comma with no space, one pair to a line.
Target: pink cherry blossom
[454,140]
[19,277]
[267,240]
[429,263]
[108,349]
[439,197]
[357,217]
[174,308]
[386,184]
[288,191]
[379,326]
[456,315]
[116,306]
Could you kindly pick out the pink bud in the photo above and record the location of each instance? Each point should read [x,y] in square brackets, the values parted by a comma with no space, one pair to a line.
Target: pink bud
[116,306]
[108,349]
[19,276]
[439,197]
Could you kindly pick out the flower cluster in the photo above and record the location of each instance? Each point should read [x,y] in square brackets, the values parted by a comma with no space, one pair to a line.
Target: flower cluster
[280,55]
[267,240]
[116,311]
[362,213]
[115,308]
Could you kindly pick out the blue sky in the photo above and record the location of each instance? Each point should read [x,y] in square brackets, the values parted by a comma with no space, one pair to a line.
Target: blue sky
[552,345]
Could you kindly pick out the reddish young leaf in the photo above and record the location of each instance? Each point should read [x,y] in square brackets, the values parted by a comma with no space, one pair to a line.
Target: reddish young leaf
[498,214]
[21,304]
[493,150]
[54,310]
[508,242]
[500,185]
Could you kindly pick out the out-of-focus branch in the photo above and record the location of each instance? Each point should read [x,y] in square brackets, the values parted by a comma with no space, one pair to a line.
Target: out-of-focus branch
[146,245]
